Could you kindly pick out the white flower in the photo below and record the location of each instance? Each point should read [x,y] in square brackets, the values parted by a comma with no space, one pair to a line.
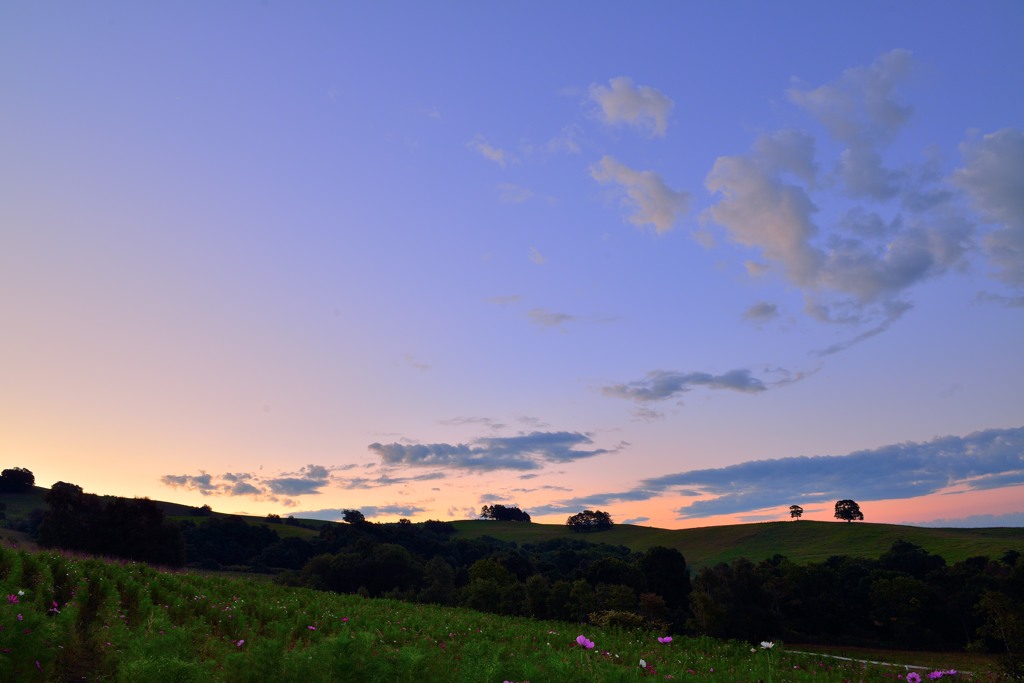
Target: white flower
[643,664]
[767,645]
[21,592]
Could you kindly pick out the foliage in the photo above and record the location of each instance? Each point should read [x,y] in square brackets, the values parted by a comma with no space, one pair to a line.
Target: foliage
[134,529]
[590,520]
[353,517]
[500,513]
[17,480]
[795,511]
[848,510]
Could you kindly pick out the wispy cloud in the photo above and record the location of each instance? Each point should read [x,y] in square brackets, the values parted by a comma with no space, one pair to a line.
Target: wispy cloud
[761,312]
[642,106]
[982,460]
[307,481]
[546,318]
[369,511]
[1011,519]
[480,145]
[525,452]
[659,385]
[652,200]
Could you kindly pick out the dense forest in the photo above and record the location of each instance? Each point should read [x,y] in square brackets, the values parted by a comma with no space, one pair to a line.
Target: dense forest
[907,598]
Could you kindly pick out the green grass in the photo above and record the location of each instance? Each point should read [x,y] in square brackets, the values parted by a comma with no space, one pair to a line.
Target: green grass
[802,542]
[129,622]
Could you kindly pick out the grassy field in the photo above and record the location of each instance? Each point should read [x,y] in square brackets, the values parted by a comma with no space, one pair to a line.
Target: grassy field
[67,618]
[803,541]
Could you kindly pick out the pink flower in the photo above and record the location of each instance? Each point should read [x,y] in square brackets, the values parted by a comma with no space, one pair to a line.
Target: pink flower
[311,628]
[913,677]
[344,619]
[583,642]
[13,599]
[20,617]
[666,639]
[240,643]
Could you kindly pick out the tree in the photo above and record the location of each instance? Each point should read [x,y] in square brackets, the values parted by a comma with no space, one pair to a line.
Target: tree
[590,520]
[848,510]
[353,516]
[795,511]
[500,513]
[17,480]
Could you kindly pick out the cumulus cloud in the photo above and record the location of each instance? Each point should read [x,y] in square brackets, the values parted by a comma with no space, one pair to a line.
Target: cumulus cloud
[993,177]
[659,385]
[638,106]
[856,265]
[652,200]
[862,105]
[861,262]
[983,460]
[525,452]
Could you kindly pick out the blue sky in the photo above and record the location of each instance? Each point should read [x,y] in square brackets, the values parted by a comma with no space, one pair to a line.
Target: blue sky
[690,263]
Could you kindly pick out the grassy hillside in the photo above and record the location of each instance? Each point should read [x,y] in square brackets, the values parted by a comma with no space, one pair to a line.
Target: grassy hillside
[802,541]
[69,618]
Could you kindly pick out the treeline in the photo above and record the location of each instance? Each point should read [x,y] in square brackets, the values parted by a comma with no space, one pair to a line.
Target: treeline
[134,529]
[907,598]
[568,579]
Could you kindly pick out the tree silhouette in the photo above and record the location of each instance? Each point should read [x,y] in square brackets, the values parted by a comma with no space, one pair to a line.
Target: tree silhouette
[848,510]
[795,511]
[500,513]
[590,520]
[17,480]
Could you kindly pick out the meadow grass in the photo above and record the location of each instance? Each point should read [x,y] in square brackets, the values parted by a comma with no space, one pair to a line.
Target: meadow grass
[69,618]
[801,542]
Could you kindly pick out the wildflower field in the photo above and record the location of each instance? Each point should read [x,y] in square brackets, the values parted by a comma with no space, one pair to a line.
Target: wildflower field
[64,618]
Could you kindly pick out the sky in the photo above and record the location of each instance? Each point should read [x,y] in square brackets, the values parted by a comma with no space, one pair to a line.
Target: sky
[689,263]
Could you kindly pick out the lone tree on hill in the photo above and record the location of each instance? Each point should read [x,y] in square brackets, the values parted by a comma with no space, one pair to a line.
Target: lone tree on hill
[353,516]
[590,520]
[500,513]
[848,510]
[795,511]
[17,480]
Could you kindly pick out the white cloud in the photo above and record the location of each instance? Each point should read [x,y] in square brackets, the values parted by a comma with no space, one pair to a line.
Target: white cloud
[759,209]
[639,106]
[536,257]
[654,202]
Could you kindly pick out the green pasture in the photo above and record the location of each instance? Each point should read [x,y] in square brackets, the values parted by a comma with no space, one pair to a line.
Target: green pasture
[67,618]
[800,541]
